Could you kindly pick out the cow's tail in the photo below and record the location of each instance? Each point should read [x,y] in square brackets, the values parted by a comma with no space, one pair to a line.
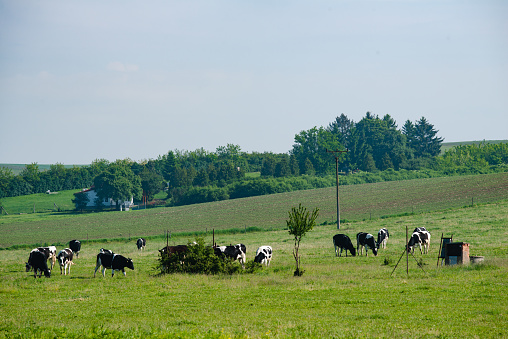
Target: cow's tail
[98,264]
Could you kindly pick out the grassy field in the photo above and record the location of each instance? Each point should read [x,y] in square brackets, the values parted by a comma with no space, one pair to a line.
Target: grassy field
[449,145]
[40,203]
[335,298]
[357,202]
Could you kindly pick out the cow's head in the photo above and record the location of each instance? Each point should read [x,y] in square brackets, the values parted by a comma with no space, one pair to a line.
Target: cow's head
[47,273]
[129,263]
[260,257]
[62,259]
[353,251]
[28,267]
[415,239]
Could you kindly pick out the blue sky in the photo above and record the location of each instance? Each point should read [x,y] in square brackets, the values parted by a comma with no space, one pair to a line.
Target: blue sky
[84,80]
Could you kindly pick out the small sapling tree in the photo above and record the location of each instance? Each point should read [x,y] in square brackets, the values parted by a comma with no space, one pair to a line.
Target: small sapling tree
[300,222]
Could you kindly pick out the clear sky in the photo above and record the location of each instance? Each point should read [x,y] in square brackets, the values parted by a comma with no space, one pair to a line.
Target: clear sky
[85,80]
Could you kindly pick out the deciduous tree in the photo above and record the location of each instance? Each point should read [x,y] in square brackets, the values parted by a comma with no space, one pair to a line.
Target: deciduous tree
[118,182]
[299,223]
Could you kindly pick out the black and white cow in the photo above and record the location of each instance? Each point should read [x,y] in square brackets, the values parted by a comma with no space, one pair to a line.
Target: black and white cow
[233,252]
[115,262]
[382,238]
[64,258]
[38,262]
[365,240]
[49,252]
[242,248]
[342,242]
[420,238]
[141,243]
[75,246]
[263,255]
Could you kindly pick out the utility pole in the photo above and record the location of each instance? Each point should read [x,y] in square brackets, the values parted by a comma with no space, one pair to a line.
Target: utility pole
[337,154]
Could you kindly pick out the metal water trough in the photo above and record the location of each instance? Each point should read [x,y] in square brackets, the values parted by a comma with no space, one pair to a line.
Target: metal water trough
[476,259]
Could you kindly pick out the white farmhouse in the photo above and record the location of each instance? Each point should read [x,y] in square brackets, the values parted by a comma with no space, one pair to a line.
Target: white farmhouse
[107,202]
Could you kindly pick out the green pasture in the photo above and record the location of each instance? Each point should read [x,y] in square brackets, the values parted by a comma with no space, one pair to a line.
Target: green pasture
[357,202]
[347,297]
[39,203]
[445,146]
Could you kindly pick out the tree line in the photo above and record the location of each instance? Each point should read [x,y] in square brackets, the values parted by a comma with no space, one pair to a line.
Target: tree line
[373,146]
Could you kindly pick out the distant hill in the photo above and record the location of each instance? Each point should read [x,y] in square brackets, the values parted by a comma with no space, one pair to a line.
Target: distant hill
[18,168]
[447,145]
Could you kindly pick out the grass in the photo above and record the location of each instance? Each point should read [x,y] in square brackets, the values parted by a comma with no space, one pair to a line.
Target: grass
[40,203]
[449,145]
[336,297]
[357,202]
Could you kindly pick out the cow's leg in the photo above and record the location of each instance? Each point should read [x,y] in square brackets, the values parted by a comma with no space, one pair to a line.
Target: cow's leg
[96,268]
[103,271]
[123,271]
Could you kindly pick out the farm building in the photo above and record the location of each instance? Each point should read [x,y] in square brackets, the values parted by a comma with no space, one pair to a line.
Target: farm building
[107,202]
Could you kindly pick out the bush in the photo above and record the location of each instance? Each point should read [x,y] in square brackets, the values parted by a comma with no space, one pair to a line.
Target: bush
[198,195]
[198,259]
[259,186]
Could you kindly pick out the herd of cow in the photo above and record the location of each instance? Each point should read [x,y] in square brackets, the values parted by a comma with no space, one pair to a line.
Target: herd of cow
[420,237]
[37,260]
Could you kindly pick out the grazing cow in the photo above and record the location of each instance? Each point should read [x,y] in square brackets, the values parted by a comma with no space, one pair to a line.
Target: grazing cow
[103,250]
[141,244]
[419,238]
[38,262]
[65,257]
[365,240]
[169,250]
[264,255]
[342,241]
[382,238]
[115,262]
[49,252]
[75,246]
[233,252]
